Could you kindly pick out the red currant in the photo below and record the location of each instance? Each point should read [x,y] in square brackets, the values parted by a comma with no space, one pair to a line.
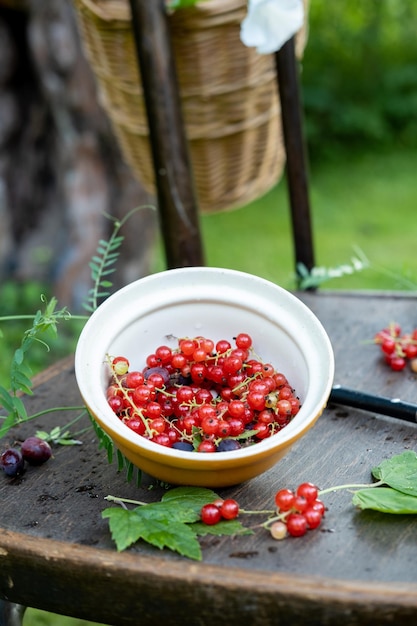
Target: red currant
[229,509]
[206,446]
[210,514]
[296,524]
[244,341]
[284,499]
[308,491]
[313,517]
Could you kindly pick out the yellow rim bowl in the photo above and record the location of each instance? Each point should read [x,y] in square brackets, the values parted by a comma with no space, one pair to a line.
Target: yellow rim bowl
[216,303]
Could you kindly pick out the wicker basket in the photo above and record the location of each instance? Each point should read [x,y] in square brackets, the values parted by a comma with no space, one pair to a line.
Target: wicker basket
[228,97]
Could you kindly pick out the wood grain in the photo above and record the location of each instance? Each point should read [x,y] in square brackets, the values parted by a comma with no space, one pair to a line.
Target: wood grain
[360,567]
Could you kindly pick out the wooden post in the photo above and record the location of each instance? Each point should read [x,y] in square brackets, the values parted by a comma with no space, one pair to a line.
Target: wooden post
[177,202]
[296,167]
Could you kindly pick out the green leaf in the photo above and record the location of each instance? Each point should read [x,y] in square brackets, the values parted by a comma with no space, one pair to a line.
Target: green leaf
[181,4]
[385,500]
[19,408]
[19,356]
[127,527]
[231,527]
[399,472]
[6,399]
[8,423]
[189,498]
[22,382]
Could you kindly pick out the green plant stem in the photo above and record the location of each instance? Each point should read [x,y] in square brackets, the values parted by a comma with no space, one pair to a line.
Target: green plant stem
[352,486]
[17,318]
[51,410]
[123,501]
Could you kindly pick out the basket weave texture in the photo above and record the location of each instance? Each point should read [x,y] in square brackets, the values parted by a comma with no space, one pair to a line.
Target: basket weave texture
[228,92]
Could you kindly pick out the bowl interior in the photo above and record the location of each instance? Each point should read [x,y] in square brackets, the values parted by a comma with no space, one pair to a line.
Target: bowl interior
[215,303]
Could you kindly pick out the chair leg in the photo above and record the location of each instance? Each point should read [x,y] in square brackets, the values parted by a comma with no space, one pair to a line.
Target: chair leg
[11,614]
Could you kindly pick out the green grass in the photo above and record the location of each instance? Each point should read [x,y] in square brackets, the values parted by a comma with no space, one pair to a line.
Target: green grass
[34,617]
[368,201]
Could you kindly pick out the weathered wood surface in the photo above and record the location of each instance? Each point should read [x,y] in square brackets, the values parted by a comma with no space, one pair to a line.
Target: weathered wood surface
[56,552]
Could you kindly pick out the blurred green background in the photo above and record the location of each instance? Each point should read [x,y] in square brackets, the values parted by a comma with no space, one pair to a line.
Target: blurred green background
[359,83]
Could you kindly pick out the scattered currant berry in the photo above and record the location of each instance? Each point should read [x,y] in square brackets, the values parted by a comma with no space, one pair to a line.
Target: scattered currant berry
[396,347]
[12,462]
[36,450]
[210,514]
[229,509]
[296,525]
[284,499]
[278,530]
[299,510]
[308,491]
[313,517]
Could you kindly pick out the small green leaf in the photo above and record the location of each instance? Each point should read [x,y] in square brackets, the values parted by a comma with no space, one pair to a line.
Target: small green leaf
[127,527]
[8,423]
[399,472]
[179,537]
[22,382]
[385,500]
[19,356]
[42,434]
[6,399]
[189,497]
[19,408]
[68,442]
[231,527]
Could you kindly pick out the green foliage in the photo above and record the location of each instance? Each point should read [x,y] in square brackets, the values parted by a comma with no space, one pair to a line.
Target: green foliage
[103,263]
[385,500]
[181,4]
[44,324]
[171,523]
[359,75]
[18,300]
[400,497]
[399,472]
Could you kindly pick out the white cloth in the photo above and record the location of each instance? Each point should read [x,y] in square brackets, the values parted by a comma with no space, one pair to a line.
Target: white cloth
[271,23]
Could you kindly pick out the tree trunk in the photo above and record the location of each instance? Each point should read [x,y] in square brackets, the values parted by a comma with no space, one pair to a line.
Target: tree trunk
[61,169]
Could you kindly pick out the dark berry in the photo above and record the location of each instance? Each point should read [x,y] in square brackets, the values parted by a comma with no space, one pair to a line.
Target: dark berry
[227,445]
[183,445]
[162,371]
[36,450]
[12,462]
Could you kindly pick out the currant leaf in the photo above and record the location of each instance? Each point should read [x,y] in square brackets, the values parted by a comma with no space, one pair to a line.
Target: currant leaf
[189,497]
[385,500]
[231,527]
[399,472]
[154,526]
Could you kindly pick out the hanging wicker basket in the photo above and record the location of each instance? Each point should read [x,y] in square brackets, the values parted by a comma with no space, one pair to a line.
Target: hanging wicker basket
[228,92]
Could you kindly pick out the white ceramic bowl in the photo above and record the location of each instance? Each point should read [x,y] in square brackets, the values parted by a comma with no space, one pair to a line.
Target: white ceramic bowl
[219,304]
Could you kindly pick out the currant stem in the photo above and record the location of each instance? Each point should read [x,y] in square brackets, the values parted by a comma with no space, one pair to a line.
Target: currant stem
[352,486]
[124,501]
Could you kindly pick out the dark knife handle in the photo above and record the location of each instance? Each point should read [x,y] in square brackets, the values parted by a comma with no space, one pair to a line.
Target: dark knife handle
[377,404]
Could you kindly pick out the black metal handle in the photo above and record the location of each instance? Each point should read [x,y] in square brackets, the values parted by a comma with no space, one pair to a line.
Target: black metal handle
[393,407]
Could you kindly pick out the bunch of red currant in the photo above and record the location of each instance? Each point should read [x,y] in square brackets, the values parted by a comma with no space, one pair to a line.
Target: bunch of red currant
[203,396]
[296,511]
[398,347]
